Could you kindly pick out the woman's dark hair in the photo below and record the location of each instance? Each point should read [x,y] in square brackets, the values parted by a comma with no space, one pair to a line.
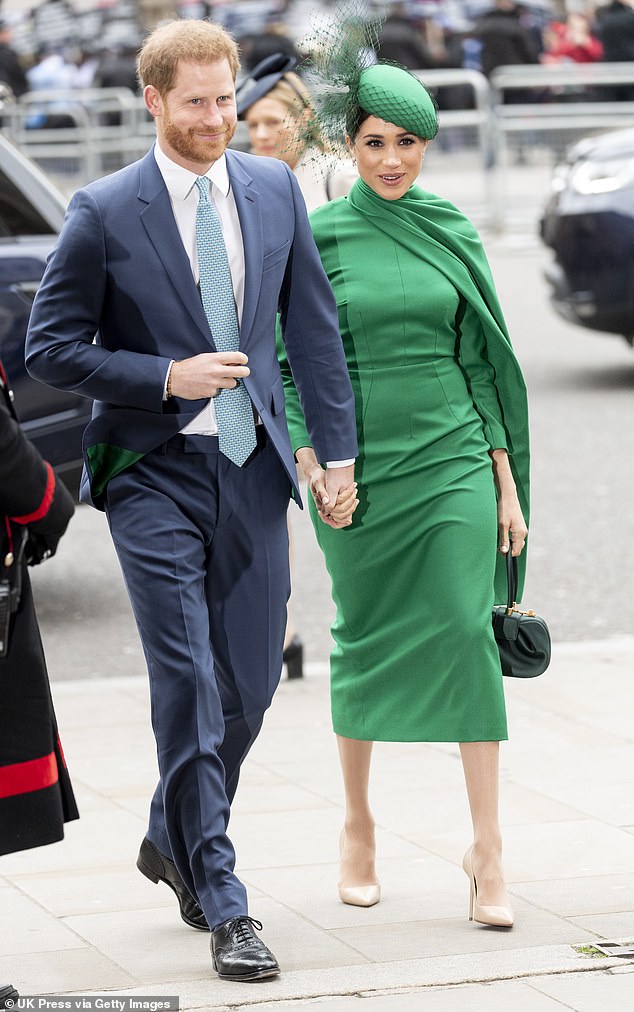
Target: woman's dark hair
[355,116]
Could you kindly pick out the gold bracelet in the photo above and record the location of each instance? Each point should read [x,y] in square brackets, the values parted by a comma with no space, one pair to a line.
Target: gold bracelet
[168,388]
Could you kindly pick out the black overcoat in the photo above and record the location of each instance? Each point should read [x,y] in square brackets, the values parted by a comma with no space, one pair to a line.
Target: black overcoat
[36,797]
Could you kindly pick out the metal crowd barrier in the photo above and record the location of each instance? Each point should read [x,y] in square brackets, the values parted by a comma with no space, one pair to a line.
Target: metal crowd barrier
[96,129]
[479,115]
[550,107]
[568,98]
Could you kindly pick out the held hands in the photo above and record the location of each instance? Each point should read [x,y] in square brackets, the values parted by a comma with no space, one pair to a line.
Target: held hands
[333,490]
[340,499]
[207,374]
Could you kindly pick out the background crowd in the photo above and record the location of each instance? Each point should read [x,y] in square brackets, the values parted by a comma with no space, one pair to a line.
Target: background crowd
[58,44]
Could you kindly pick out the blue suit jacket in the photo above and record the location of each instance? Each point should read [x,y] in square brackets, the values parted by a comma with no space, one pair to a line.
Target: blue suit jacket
[118,301]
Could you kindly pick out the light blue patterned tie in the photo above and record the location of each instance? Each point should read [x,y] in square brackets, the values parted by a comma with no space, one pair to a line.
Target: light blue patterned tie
[236,427]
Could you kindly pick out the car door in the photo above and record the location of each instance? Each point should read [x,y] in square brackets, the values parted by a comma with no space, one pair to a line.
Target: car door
[31,214]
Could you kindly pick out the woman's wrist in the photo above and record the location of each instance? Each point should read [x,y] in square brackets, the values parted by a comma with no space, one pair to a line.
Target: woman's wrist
[502,471]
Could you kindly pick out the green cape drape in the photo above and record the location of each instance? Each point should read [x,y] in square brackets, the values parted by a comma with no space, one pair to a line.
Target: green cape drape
[439,233]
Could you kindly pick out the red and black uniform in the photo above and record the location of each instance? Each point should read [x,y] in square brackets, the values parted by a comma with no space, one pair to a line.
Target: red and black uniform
[36,797]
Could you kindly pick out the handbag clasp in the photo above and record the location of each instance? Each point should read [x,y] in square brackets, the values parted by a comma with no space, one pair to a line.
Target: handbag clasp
[518,611]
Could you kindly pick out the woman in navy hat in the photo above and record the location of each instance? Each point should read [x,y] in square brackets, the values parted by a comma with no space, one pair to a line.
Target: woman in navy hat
[277,108]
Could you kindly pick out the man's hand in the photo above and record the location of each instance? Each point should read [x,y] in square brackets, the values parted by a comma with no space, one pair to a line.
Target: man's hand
[207,374]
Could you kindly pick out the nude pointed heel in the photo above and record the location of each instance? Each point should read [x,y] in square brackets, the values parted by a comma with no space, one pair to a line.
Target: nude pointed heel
[498,917]
[358,895]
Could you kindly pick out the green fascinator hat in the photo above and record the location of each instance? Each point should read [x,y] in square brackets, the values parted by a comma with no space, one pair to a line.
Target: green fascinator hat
[396,96]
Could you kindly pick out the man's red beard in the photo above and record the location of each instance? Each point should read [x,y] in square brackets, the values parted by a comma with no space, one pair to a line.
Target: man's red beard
[190,145]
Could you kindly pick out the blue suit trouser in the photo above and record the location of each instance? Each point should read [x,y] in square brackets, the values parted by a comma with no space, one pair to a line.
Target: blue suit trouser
[203,546]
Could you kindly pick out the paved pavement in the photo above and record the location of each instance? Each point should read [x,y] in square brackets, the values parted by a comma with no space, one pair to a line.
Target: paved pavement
[77,917]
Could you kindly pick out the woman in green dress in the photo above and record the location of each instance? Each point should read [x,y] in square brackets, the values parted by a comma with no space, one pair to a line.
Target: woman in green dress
[442,475]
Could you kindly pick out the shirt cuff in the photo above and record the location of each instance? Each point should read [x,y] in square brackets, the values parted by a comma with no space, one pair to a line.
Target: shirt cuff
[340,463]
[167,379]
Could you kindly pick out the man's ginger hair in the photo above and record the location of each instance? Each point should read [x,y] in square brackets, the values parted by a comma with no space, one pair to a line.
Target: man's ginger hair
[188,41]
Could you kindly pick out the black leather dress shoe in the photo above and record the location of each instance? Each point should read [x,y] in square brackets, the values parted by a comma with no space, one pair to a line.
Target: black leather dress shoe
[238,954]
[159,868]
[7,991]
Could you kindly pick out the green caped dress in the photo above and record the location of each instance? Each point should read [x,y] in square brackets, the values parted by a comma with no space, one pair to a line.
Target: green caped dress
[436,386]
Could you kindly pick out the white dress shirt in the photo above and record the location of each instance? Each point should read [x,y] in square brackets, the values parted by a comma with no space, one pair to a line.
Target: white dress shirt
[181,186]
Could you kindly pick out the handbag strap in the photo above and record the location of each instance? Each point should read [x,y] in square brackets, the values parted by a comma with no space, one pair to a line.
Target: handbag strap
[512,580]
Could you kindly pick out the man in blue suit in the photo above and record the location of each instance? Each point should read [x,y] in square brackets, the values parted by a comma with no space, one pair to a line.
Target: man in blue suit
[125,315]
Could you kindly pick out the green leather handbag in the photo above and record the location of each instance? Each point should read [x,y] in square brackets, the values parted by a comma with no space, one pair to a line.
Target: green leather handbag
[522,637]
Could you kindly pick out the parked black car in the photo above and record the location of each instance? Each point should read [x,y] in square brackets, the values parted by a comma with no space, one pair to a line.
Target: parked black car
[31,214]
[589,224]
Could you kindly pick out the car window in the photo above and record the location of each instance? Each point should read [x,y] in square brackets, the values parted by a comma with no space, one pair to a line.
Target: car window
[17,214]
